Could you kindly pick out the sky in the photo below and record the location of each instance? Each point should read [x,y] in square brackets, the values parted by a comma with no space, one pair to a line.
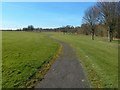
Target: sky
[43,14]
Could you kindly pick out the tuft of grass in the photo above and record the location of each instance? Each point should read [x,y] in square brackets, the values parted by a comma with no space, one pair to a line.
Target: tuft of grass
[98,57]
[23,55]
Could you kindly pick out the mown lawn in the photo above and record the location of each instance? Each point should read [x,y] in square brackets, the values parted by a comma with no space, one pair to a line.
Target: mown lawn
[0,60]
[98,57]
[23,54]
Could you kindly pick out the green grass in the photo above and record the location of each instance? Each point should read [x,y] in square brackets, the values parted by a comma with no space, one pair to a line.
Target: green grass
[98,57]
[0,60]
[23,54]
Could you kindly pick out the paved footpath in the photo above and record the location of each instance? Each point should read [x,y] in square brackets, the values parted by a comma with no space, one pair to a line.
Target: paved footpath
[66,72]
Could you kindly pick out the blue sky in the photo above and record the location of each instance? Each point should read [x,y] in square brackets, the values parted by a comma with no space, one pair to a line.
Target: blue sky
[42,14]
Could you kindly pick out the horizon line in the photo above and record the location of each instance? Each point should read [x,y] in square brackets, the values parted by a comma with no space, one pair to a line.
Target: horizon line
[37,27]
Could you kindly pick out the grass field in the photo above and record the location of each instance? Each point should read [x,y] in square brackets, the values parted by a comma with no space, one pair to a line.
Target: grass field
[98,57]
[23,54]
[0,60]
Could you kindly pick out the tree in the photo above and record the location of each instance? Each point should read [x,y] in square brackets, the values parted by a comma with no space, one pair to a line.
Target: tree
[108,13]
[85,29]
[30,27]
[91,18]
[25,29]
[118,20]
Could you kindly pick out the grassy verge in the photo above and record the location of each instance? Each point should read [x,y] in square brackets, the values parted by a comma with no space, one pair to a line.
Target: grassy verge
[25,54]
[39,75]
[98,57]
[0,60]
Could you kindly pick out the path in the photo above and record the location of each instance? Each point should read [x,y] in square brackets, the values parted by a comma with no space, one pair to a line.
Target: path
[66,72]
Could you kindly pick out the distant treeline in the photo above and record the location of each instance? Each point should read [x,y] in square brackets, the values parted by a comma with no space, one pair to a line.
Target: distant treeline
[100,30]
[65,29]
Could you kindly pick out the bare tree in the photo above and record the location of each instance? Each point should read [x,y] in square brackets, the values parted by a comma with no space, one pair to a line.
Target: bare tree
[108,13]
[91,18]
[85,29]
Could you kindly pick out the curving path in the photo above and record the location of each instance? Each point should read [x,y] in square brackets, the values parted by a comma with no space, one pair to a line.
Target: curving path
[66,72]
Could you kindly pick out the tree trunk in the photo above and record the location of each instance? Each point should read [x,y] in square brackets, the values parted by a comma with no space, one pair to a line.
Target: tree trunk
[110,38]
[92,35]
[110,34]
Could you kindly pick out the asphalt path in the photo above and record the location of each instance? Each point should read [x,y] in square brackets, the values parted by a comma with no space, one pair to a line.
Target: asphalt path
[66,72]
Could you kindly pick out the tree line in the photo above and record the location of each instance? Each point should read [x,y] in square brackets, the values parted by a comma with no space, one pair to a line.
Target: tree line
[65,29]
[105,17]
